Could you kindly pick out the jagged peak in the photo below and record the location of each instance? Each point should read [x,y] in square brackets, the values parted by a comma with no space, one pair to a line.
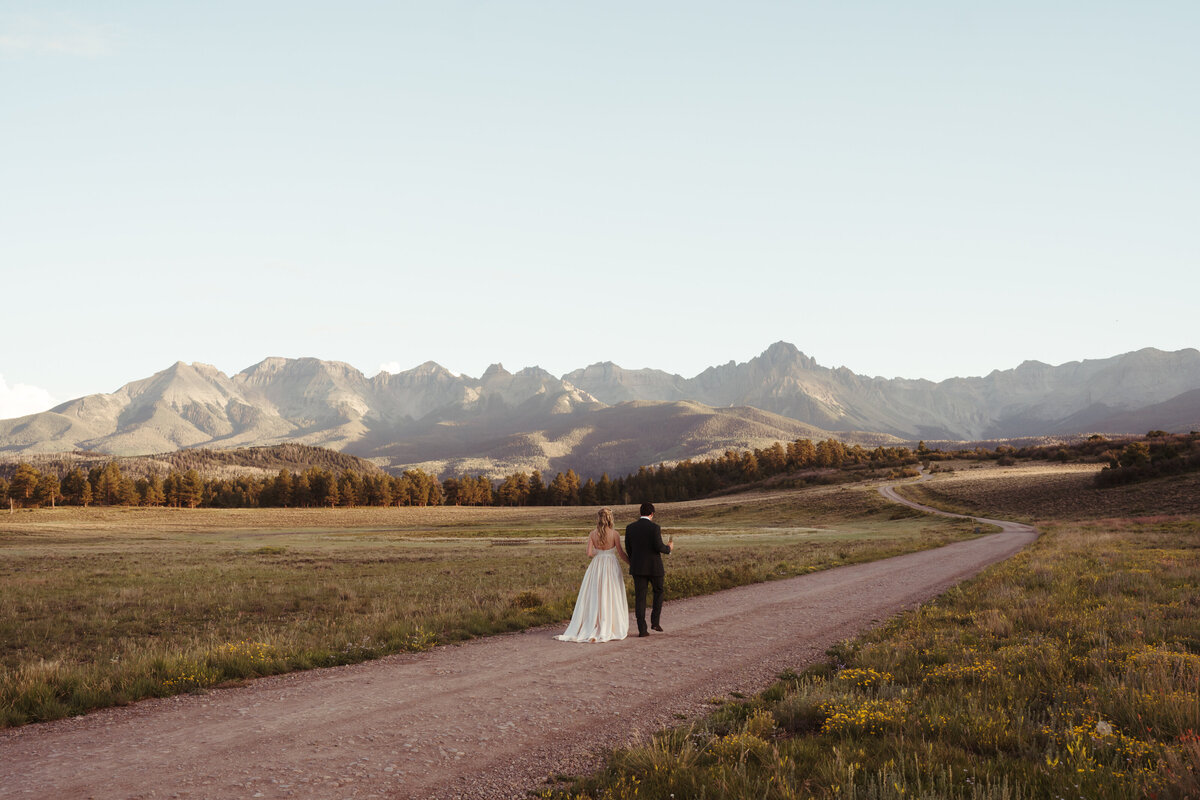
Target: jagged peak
[268,364]
[428,368]
[782,348]
[495,370]
[195,366]
[184,370]
[535,372]
[332,366]
[786,352]
[424,371]
[304,365]
[606,367]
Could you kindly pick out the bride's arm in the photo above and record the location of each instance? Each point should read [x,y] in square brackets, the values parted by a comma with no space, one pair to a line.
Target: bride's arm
[591,546]
[621,550]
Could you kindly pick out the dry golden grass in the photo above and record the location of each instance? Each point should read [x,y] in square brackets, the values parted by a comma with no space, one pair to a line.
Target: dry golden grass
[109,605]
[1054,492]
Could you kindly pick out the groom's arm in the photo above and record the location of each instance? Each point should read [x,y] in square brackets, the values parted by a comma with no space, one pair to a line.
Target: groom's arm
[665,549]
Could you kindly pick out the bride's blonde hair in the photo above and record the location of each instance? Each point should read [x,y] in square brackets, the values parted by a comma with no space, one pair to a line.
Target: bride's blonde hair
[604,522]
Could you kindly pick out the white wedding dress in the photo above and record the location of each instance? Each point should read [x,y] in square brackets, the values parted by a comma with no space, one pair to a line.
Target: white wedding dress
[601,610]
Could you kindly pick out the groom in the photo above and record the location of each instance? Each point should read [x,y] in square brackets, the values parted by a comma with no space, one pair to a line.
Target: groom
[644,546]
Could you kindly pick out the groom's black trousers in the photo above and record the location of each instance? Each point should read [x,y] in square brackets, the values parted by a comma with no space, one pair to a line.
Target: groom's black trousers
[639,599]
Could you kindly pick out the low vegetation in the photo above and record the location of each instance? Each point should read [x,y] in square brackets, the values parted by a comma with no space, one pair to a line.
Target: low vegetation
[311,477]
[1071,670]
[105,606]
[1047,492]
[1159,454]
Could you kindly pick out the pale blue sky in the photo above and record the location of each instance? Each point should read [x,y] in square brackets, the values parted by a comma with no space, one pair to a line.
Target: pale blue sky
[920,189]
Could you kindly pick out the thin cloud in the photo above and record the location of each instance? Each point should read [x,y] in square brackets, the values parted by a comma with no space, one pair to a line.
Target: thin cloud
[21,399]
[58,34]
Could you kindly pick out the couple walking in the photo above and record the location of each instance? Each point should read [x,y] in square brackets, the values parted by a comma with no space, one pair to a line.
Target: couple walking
[601,610]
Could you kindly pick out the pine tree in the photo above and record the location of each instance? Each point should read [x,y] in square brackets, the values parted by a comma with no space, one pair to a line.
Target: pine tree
[281,489]
[749,467]
[572,487]
[559,491]
[830,453]
[48,490]
[605,490]
[331,492]
[155,495]
[106,489]
[74,485]
[433,491]
[301,491]
[192,489]
[514,490]
[801,454]
[350,488]
[537,489]
[173,489]
[402,490]
[483,490]
[127,493]
[379,490]
[773,460]
[588,494]
[22,489]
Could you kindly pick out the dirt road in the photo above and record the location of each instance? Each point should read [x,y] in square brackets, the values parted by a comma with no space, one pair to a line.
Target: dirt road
[487,719]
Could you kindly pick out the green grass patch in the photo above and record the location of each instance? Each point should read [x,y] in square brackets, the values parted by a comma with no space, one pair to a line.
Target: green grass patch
[1070,670]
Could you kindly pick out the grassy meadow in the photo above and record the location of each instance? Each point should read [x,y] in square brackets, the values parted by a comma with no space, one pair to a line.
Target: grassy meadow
[106,606]
[1071,670]
[1050,492]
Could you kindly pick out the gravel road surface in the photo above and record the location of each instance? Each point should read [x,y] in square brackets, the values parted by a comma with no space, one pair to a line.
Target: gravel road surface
[491,718]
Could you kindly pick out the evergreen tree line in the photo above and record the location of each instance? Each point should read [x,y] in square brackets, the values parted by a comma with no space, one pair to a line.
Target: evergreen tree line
[312,487]
[804,460]
[317,486]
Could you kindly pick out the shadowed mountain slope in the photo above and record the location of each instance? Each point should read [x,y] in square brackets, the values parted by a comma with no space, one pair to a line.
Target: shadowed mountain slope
[604,417]
[1033,399]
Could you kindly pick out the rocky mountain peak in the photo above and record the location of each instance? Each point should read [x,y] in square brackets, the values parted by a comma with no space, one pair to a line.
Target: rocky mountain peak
[428,369]
[313,401]
[496,370]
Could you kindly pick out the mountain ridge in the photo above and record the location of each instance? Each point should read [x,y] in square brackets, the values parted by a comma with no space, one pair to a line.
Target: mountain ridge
[603,417]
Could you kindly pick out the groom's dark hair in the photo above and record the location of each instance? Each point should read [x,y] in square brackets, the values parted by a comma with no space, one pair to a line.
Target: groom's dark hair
[647,509]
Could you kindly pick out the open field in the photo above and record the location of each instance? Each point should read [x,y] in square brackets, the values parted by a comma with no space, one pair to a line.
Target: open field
[1070,670]
[1059,491]
[106,606]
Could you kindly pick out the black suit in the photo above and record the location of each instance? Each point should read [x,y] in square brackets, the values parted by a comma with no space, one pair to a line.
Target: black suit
[644,546]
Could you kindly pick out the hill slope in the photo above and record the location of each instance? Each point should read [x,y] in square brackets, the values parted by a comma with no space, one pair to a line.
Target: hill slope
[604,417]
[1033,399]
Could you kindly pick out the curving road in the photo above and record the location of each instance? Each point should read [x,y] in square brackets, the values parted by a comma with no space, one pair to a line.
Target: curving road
[487,719]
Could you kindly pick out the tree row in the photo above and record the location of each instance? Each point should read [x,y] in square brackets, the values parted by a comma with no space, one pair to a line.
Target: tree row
[802,460]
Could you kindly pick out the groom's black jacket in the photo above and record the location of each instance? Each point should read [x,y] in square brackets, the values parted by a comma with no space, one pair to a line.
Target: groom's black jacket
[643,545]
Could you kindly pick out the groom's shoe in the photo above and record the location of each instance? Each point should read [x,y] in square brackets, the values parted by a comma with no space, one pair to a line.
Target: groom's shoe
[643,633]
[657,628]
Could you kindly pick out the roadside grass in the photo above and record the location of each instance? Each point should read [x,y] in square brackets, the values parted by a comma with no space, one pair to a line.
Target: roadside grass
[1070,670]
[104,607]
[1053,491]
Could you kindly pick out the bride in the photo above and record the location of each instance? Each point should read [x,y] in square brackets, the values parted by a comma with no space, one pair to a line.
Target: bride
[601,610]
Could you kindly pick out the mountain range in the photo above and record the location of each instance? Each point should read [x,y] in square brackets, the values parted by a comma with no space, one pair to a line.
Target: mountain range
[604,417]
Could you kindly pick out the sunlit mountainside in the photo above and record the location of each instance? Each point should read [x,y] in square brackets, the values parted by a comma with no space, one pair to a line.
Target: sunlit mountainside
[603,417]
